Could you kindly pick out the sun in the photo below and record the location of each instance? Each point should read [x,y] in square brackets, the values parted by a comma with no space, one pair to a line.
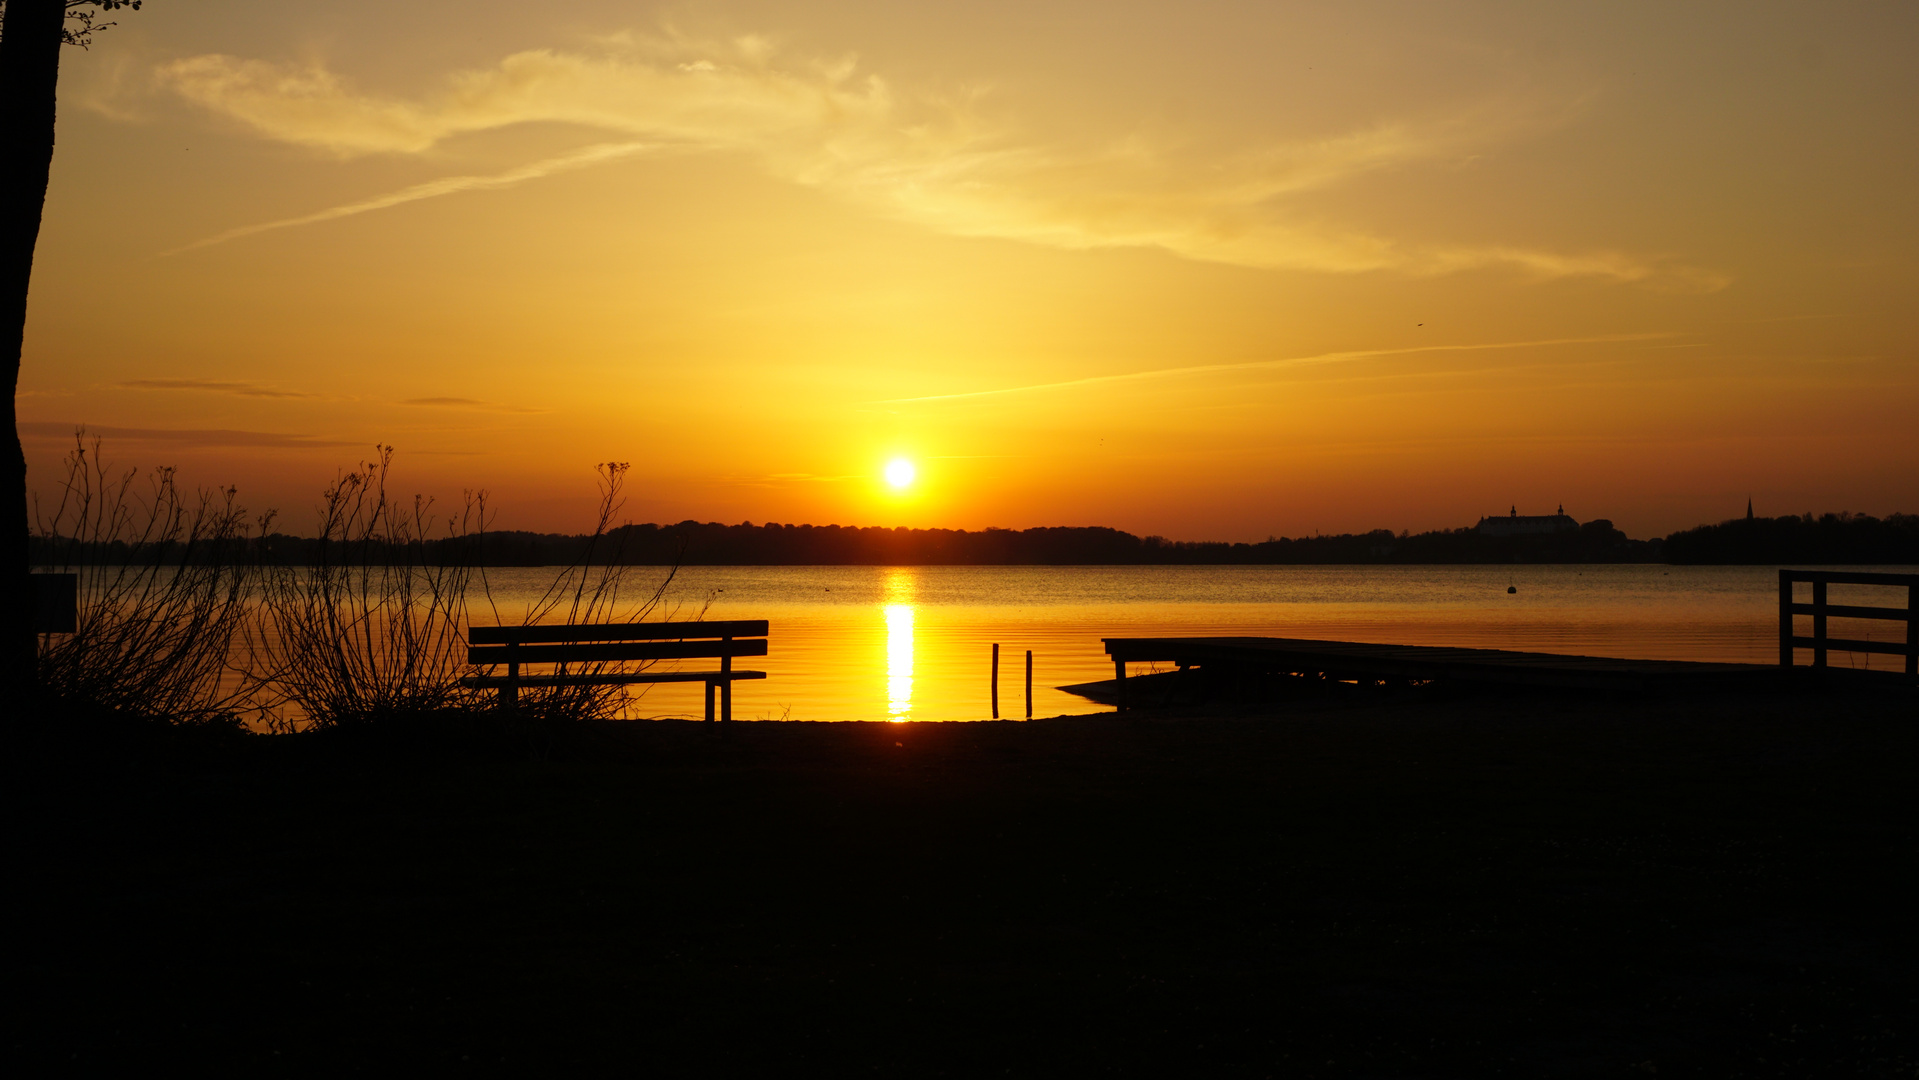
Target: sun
[900,473]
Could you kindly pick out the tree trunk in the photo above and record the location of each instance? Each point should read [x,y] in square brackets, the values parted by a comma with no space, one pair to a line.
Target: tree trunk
[29,71]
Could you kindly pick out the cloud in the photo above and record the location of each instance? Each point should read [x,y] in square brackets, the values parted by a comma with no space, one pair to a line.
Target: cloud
[738,100]
[64,430]
[934,160]
[591,155]
[466,403]
[795,478]
[1256,365]
[211,386]
[244,389]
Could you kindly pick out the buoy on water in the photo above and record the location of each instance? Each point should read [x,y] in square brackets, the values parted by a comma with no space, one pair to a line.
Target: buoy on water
[1511,589]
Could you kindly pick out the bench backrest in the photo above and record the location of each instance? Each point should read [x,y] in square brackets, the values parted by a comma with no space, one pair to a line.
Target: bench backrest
[609,642]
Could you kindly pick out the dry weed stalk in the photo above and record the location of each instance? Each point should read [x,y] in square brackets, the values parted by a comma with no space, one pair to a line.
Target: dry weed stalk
[375,626]
[179,618]
[164,583]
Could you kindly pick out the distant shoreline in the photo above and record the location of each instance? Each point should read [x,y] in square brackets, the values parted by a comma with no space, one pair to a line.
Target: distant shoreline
[1831,540]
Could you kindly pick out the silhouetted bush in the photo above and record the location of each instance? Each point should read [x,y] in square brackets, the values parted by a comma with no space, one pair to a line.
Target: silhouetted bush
[371,628]
[1843,538]
[358,634]
[164,588]
[185,616]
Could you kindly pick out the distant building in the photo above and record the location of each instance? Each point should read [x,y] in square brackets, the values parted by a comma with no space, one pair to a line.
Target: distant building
[1514,525]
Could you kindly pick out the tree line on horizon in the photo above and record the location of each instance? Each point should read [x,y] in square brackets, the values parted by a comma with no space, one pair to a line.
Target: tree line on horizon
[1841,538]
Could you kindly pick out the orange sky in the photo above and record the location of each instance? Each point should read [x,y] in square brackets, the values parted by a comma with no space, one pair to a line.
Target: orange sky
[1213,271]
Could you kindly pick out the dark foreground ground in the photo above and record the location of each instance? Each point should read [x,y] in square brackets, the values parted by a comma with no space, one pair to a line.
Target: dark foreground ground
[1418,886]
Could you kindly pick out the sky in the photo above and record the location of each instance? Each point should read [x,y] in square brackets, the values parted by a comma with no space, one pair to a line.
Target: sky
[1207,270]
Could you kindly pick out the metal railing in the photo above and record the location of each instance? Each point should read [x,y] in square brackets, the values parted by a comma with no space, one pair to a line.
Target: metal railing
[1822,643]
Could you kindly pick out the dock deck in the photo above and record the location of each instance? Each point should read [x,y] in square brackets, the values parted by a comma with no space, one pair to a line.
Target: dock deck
[1368,662]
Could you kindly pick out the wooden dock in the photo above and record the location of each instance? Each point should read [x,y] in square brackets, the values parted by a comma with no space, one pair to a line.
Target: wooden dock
[1236,659]
[1227,663]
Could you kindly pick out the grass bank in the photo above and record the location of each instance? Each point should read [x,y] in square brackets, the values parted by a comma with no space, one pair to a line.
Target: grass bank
[1464,887]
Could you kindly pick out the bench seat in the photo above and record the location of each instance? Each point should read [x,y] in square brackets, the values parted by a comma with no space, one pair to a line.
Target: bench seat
[490,682]
[614,643]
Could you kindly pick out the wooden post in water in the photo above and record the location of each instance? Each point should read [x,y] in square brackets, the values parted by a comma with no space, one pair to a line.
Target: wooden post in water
[726,685]
[996,680]
[1029,684]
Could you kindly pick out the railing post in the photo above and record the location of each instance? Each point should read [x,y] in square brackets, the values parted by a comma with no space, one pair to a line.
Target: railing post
[1912,631]
[1785,618]
[1819,622]
[1029,684]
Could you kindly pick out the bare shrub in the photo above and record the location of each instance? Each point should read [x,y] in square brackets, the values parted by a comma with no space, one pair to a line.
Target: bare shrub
[184,614]
[374,626]
[164,583]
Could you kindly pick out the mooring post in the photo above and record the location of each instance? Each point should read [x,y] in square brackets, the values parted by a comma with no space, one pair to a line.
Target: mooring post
[1119,682]
[996,680]
[1029,684]
[726,685]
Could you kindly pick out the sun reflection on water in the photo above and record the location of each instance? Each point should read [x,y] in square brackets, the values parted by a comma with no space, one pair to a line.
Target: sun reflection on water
[900,592]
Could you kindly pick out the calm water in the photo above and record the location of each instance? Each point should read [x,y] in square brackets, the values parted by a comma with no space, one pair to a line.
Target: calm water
[914,643]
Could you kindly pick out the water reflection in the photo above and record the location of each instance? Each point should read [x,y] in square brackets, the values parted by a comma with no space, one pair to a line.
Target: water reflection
[901,590]
[839,653]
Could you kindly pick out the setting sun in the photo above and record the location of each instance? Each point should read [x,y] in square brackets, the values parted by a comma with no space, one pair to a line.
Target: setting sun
[900,473]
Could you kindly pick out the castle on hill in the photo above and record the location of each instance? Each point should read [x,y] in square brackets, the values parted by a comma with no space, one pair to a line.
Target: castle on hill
[1514,525]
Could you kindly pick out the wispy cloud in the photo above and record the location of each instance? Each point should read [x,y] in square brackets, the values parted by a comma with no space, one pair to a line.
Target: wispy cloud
[592,155]
[58,429]
[798,478]
[936,160]
[213,386]
[467,403]
[1258,365]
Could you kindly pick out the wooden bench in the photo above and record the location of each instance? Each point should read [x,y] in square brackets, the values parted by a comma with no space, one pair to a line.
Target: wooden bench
[611,643]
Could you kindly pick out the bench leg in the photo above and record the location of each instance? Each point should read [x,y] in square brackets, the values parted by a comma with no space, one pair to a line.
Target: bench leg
[726,702]
[709,702]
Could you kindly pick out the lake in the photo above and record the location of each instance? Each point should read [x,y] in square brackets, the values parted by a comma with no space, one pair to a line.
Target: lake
[914,642]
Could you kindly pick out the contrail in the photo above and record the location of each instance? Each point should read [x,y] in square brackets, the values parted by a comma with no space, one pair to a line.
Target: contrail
[1293,361]
[579,159]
